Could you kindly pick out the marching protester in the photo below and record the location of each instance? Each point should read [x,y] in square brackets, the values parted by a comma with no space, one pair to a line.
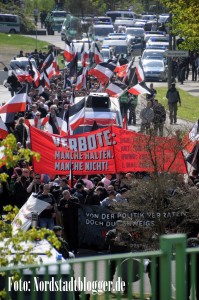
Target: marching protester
[68,205]
[133,101]
[118,240]
[173,97]
[110,201]
[153,93]
[47,217]
[64,248]
[13,84]
[159,117]
[146,116]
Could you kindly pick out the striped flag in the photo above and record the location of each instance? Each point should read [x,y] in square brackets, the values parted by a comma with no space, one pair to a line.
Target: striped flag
[98,58]
[191,138]
[35,74]
[121,70]
[139,89]
[3,130]
[44,79]
[76,114]
[16,104]
[56,125]
[69,51]
[81,79]
[84,55]
[115,89]
[23,75]
[103,72]
[37,122]
[48,61]
[101,118]
[140,73]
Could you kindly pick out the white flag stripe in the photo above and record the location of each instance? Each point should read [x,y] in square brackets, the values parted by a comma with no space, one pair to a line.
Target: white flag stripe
[24,217]
[100,115]
[194,134]
[18,98]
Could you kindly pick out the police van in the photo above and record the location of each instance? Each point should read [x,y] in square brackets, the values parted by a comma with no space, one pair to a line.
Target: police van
[9,23]
[122,14]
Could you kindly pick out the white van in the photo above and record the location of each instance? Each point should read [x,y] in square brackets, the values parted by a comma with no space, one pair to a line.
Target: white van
[20,63]
[102,109]
[118,45]
[122,14]
[99,31]
[9,23]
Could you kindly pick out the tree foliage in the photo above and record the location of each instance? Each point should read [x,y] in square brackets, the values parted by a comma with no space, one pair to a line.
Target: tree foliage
[185,21]
[11,155]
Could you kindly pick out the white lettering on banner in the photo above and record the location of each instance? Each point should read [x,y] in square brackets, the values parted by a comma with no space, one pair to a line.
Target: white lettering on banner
[65,166]
[85,143]
[141,219]
[61,155]
[96,166]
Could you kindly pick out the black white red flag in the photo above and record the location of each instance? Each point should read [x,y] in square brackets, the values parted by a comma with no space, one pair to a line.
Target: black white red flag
[139,89]
[140,72]
[98,58]
[69,51]
[81,79]
[103,72]
[84,55]
[115,89]
[76,114]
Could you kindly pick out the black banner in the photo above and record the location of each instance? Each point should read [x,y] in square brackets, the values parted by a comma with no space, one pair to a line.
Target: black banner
[95,221]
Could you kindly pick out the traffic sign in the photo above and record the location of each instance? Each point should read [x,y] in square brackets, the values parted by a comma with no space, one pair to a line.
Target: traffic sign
[176,53]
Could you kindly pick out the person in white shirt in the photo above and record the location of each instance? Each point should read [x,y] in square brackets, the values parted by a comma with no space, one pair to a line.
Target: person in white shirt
[88,183]
[107,180]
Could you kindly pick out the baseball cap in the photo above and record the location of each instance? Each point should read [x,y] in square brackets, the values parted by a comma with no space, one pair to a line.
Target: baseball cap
[57,228]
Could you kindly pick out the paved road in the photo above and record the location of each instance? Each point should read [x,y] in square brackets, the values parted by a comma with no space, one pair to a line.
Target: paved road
[189,86]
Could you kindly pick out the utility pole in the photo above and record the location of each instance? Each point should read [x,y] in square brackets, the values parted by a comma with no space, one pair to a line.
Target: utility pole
[170,48]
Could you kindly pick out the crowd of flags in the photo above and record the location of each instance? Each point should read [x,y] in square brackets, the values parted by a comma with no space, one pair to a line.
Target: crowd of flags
[130,79]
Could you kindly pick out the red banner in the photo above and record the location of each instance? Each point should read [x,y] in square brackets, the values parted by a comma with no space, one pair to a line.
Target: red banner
[137,152]
[90,153]
[105,151]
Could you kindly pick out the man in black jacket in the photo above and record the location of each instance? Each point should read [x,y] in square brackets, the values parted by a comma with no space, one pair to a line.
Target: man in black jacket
[173,97]
[46,218]
[118,240]
[69,205]
[159,117]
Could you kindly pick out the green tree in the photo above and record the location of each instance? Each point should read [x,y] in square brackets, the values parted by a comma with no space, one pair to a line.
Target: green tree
[10,156]
[185,21]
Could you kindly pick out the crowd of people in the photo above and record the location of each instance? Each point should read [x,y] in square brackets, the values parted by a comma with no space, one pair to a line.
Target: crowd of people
[182,66]
[106,190]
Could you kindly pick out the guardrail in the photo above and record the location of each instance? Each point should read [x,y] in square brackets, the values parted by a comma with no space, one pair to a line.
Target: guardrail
[91,277]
